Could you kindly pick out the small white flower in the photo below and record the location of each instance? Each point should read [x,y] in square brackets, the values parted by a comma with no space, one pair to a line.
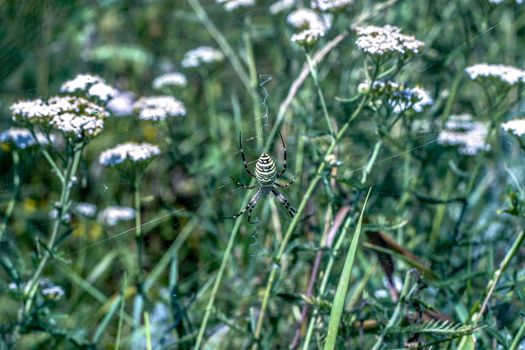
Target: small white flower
[52,292]
[87,210]
[281,5]
[516,127]
[91,85]
[505,74]
[22,138]
[462,131]
[201,55]
[159,108]
[121,105]
[380,41]
[111,216]
[133,152]
[308,19]
[80,83]
[307,37]
[230,5]
[330,5]
[170,79]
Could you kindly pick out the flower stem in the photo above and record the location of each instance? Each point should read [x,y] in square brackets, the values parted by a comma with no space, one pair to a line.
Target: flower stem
[139,242]
[313,73]
[67,181]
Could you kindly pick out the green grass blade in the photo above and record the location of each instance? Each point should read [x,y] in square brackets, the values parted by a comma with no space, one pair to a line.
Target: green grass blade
[105,321]
[342,287]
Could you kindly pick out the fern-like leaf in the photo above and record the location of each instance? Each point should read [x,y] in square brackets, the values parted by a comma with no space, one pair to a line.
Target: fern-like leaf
[436,327]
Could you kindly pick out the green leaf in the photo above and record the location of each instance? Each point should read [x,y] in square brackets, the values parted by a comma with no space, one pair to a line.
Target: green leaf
[342,287]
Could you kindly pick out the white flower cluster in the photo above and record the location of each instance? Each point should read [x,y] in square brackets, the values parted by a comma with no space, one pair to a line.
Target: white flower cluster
[330,5]
[381,41]
[23,138]
[461,130]
[32,111]
[281,5]
[307,37]
[400,98]
[159,108]
[201,55]
[415,99]
[516,127]
[499,2]
[76,117]
[133,152]
[169,79]
[122,104]
[90,85]
[312,25]
[87,210]
[77,126]
[50,291]
[308,19]
[230,5]
[111,216]
[505,74]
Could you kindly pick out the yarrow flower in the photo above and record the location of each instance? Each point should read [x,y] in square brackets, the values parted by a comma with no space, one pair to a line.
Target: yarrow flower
[201,55]
[516,127]
[461,130]
[122,104]
[307,37]
[307,19]
[506,74]
[399,97]
[87,210]
[159,108]
[50,291]
[330,5]
[89,85]
[281,5]
[111,216]
[133,152]
[74,116]
[23,138]
[169,79]
[381,41]
[230,5]
[32,111]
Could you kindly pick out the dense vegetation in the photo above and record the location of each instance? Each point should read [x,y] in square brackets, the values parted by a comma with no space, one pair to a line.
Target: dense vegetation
[399,123]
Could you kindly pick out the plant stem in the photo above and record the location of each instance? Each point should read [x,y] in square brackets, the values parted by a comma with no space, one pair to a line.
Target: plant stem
[371,161]
[16,191]
[253,92]
[313,72]
[139,242]
[291,228]
[62,210]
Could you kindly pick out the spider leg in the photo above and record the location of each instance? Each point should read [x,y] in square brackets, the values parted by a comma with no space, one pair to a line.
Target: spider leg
[250,206]
[289,183]
[281,173]
[243,157]
[282,199]
[240,185]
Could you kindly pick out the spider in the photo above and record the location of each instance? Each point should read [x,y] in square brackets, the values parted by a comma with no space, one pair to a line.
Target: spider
[266,175]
